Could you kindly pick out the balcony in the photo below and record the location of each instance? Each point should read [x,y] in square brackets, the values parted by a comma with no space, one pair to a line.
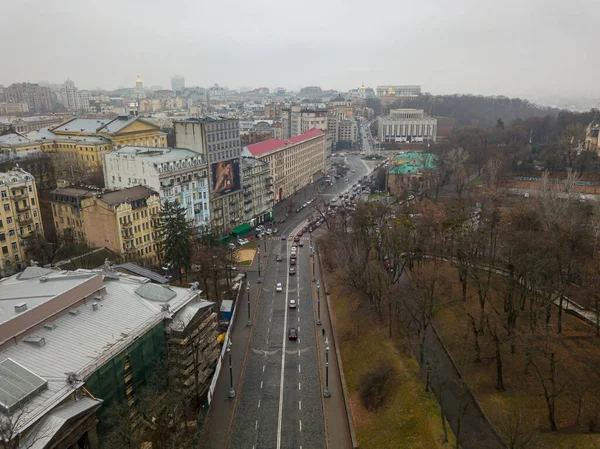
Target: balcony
[247,201]
[130,248]
[269,178]
[247,186]
[25,221]
[269,184]
[128,237]
[247,193]
[22,196]
[22,208]
[248,210]
[127,224]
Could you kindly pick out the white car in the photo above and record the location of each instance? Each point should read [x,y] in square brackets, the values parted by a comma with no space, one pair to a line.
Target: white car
[292,303]
[279,287]
[269,232]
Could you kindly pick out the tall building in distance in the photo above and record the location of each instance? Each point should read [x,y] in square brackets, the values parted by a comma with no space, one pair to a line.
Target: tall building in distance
[20,219]
[299,119]
[38,98]
[72,98]
[177,83]
[139,92]
[217,138]
[405,91]
[178,174]
[407,125]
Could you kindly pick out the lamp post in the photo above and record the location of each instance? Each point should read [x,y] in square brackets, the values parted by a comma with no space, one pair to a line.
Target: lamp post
[231,390]
[249,322]
[318,303]
[265,245]
[327,393]
[259,281]
[312,253]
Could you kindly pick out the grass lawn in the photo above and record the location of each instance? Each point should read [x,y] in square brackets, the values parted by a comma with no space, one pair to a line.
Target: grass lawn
[410,418]
[578,360]
[479,181]
[252,244]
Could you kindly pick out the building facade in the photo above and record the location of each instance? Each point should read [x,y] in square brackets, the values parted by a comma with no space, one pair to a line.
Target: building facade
[405,91]
[39,99]
[258,192]
[177,174]
[217,138]
[346,134]
[298,119]
[407,125]
[20,219]
[410,172]
[294,163]
[177,83]
[74,99]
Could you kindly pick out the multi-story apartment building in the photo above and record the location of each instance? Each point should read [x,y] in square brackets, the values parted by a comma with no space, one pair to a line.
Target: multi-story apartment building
[258,192]
[347,133]
[341,108]
[122,220]
[407,125]
[178,174]
[217,138]
[294,163]
[72,342]
[177,83]
[20,220]
[74,99]
[406,91]
[13,108]
[39,99]
[27,124]
[298,119]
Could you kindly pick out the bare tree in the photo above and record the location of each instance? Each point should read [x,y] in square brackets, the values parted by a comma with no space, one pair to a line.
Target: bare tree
[458,159]
[517,428]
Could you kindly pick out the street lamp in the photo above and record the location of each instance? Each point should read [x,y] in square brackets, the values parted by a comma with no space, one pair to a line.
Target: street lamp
[259,281]
[318,303]
[313,262]
[249,322]
[326,393]
[231,390]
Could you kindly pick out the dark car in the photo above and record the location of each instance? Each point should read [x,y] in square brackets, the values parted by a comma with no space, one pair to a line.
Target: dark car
[279,258]
[301,243]
[299,233]
[292,271]
[283,237]
[304,229]
[293,333]
[292,261]
[296,239]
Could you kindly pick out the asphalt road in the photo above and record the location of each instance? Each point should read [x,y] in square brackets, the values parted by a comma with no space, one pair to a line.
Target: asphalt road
[280,403]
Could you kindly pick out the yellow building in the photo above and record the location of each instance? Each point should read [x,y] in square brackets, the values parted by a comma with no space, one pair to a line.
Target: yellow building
[122,221]
[20,219]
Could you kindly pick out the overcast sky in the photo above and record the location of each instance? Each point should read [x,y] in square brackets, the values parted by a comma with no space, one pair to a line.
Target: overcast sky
[512,47]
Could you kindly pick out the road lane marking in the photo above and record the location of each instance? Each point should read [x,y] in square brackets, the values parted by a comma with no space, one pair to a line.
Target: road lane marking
[261,384]
[298,319]
[256,425]
[299,405]
[263,368]
[300,425]
[298,367]
[299,386]
[259,403]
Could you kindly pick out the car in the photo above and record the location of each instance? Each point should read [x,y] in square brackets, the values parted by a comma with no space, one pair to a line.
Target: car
[304,229]
[293,333]
[300,243]
[292,304]
[296,239]
[274,231]
[299,234]
[292,260]
[292,271]
[279,287]
[278,258]
[231,245]
[298,210]
[283,237]
[334,200]
[269,232]
[411,198]
[310,229]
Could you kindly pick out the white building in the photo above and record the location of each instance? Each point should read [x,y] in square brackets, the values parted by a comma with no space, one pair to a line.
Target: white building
[399,90]
[176,173]
[74,99]
[407,125]
[177,83]
[258,195]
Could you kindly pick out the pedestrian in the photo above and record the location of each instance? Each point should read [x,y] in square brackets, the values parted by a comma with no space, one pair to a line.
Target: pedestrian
[323,332]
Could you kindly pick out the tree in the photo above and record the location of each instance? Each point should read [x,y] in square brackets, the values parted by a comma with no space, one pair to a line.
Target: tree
[516,428]
[175,237]
[11,427]
[458,159]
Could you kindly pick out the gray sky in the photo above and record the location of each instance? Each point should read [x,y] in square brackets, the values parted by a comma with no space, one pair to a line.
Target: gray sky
[512,47]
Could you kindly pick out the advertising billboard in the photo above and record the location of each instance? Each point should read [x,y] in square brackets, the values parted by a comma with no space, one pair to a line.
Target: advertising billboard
[225,177]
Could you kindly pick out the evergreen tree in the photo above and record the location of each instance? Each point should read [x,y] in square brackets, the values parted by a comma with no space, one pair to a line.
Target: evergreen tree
[175,235]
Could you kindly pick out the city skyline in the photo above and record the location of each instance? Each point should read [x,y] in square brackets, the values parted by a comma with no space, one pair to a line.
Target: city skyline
[458,49]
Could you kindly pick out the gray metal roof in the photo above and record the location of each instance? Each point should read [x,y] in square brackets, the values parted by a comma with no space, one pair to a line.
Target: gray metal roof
[137,270]
[153,292]
[158,155]
[186,314]
[85,125]
[17,385]
[83,342]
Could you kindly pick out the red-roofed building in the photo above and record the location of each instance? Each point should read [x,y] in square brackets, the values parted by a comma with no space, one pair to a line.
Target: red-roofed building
[294,163]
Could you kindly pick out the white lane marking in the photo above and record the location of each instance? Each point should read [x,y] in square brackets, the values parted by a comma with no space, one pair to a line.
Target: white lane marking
[261,384]
[263,368]
[259,403]
[298,352]
[300,425]
[298,328]
[256,425]
[298,367]
[298,319]
[268,330]
[299,405]
[284,337]
[299,386]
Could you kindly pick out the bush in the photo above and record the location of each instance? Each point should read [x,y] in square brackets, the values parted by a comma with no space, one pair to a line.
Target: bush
[375,384]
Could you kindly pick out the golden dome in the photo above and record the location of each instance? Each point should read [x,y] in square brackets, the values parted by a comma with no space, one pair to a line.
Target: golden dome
[138,80]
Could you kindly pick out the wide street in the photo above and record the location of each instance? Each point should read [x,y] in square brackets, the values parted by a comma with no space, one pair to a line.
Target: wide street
[279,401]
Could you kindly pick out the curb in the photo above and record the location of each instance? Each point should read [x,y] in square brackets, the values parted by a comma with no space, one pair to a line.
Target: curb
[339,360]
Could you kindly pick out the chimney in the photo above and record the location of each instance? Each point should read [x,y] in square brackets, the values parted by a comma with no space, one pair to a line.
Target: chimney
[20,308]
[94,306]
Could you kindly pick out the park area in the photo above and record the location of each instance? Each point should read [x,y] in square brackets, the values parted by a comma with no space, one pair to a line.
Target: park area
[541,371]
[392,411]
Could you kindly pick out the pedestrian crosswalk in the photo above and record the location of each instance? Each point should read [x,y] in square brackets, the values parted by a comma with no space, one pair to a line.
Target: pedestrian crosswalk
[289,237]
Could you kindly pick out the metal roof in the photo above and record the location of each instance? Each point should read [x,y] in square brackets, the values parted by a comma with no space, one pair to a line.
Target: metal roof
[153,292]
[137,270]
[17,385]
[85,125]
[158,155]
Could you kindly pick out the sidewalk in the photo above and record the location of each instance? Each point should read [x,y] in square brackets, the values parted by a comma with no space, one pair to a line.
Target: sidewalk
[220,416]
[337,428]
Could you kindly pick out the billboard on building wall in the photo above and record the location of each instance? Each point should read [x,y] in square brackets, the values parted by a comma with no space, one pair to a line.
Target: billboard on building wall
[225,177]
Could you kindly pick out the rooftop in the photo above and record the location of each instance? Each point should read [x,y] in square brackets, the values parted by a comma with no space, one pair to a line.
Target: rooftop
[127,195]
[83,339]
[16,176]
[206,119]
[268,146]
[158,155]
[251,162]
[81,125]
[412,162]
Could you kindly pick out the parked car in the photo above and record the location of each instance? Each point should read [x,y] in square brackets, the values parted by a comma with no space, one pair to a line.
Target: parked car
[292,304]
[292,271]
[283,237]
[279,287]
[279,258]
[293,333]
[296,239]
[301,243]
[292,261]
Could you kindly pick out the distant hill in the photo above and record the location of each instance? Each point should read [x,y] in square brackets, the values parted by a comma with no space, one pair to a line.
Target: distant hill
[470,110]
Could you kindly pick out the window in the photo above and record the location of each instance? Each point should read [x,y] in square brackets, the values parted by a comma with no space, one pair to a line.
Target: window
[9,220]
[30,189]
[33,201]
[7,207]
[5,250]
[14,246]
[4,194]
[11,233]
